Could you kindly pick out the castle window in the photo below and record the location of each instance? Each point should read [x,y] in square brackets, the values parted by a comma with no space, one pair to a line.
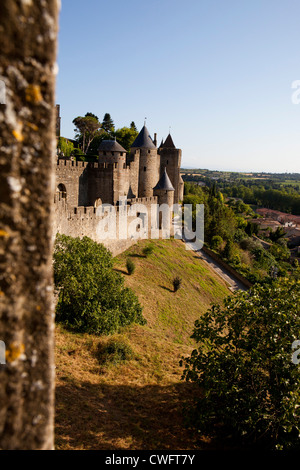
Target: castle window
[145,168]
[62,192]
[167,162]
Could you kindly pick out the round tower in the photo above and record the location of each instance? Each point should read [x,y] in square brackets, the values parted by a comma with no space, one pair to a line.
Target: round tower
[165,192]
[149,163]
[110,151]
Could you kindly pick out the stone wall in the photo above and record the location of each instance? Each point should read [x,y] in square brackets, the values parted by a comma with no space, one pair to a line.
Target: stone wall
[84,221]
[28,31]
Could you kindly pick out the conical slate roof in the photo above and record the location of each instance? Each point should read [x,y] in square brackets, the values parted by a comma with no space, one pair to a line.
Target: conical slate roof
[164,183]
[144,140]
[110,146]
[169,143]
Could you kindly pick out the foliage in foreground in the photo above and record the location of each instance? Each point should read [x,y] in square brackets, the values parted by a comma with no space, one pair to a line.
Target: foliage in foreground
[91,295]
[251,387]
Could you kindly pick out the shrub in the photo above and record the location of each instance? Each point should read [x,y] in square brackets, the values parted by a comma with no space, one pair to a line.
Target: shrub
[148,250]
[176,283]
[114,352]
[216,242]
[91,295]
[130,266]
[243,365]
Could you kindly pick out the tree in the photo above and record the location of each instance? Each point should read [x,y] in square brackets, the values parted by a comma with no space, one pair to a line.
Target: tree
[65,146]
[133,126]
[87,127]
[91,295]
[126,137]
[108,123]
[243,365]
[92,115]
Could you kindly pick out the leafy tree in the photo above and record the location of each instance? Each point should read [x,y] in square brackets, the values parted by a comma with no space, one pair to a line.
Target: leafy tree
[87,127]
[91,295]
[216,242]
[243,366]
[108,123]
[65,146]
[228,250]
[92,115]
[126,137]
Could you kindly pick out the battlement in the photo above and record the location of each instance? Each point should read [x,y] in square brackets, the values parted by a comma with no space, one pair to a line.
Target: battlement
[143,200]
[63,164]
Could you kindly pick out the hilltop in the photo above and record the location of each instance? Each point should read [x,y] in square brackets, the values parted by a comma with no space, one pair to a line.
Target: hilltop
[106,402]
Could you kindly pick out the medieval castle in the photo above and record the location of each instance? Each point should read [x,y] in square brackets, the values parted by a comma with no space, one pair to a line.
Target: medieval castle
[146,175]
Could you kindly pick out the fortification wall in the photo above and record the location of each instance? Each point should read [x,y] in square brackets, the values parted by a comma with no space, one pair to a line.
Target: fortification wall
[83,221]
[72,175]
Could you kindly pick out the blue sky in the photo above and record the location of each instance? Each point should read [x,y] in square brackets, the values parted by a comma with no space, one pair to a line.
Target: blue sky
[219,73]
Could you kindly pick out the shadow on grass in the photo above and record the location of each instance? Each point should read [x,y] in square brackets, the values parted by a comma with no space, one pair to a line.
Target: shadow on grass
[121,271]
[166,288]
[110,417]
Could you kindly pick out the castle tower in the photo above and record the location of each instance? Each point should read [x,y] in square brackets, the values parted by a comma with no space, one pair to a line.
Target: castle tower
[149,163]
[114,156]
[164,190]
[110,151]
[170,158]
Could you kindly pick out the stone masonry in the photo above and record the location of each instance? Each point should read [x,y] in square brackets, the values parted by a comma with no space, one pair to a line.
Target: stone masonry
[145,176]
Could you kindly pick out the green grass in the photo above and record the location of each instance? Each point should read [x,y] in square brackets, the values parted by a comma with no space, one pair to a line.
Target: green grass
[130,382]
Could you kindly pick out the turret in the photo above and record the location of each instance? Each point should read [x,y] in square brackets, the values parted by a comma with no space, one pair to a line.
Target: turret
[170,158]
[110,151]
[149,162]
[164,190]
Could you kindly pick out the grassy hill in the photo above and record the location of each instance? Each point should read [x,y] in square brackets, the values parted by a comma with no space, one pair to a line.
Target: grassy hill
[124,391]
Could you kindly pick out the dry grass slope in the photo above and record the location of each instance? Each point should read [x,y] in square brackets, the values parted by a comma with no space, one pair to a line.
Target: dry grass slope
[136,403]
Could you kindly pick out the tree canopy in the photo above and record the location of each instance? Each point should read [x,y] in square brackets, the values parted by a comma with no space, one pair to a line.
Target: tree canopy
[91,295]
[243,365]
[86,127]
[108,124]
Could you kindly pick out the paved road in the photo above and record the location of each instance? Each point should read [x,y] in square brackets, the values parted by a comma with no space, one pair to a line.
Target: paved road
[233,283]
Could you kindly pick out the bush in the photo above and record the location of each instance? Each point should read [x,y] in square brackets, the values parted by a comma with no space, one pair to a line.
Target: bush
[91,295]
[148,250]
[176,283]
[114,352]
[130,266]
[243,366]
[216,242]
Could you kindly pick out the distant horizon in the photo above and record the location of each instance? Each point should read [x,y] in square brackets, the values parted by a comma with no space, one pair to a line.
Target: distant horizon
[241,171]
